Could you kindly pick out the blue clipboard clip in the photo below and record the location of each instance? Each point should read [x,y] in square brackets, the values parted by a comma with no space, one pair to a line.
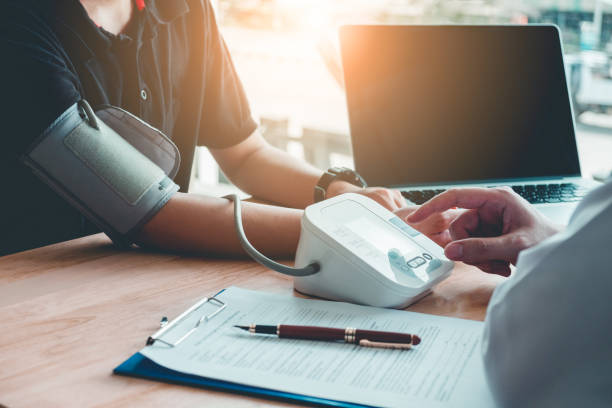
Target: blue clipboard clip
[165,326]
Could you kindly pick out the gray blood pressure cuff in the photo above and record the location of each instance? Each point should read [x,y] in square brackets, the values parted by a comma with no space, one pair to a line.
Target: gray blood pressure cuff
[113,167]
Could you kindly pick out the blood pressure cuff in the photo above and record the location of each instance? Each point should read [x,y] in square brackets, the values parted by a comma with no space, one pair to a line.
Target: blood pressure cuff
[113,167]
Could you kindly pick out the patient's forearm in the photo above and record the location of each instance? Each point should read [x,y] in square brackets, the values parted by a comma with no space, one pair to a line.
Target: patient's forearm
[201,224]
[274,175]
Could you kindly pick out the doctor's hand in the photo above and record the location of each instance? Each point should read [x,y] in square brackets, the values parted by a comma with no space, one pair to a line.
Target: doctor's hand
[496,227]
[435,227]
[390,199]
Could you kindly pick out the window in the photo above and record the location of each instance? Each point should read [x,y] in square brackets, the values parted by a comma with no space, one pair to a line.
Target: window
[286,54]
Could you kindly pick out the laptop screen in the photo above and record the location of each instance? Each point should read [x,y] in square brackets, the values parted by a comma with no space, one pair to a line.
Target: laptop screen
[436,104]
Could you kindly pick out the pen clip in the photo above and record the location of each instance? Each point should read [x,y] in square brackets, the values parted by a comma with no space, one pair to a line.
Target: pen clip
[384,345]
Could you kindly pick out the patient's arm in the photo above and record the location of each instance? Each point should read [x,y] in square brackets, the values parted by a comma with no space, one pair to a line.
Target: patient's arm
[202,224]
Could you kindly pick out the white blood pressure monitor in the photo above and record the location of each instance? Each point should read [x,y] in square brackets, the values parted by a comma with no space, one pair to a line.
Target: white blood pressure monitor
[367,255]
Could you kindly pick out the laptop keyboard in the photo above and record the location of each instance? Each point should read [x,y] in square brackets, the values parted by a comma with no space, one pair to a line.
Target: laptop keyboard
[534,193]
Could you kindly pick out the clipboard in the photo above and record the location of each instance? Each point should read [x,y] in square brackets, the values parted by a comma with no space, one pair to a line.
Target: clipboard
[140,366]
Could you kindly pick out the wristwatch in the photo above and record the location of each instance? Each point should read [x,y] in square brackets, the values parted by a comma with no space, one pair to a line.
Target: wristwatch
[336,173]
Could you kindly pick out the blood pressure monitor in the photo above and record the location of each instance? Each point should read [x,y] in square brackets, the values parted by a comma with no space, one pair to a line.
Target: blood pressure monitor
[366,254]
[353,249]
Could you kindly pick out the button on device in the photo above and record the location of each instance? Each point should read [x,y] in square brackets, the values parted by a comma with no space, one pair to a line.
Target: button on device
[416,262]
[427,256]
[404,227]
[398,263]
[143,94]
[433,265]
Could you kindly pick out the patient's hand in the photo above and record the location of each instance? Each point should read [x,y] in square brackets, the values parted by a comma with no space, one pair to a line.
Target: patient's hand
[436,226]
[496,227]
[390,199]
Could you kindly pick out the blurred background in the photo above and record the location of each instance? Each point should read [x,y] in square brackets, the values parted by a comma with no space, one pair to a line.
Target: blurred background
[286,53]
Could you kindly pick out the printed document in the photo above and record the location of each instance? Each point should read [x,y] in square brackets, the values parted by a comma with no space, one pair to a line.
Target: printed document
[445,370]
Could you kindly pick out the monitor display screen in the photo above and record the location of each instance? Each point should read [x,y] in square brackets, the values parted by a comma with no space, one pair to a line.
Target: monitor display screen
[438,104]
[378,243]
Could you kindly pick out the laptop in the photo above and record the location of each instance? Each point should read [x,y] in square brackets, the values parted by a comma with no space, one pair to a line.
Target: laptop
[436,107]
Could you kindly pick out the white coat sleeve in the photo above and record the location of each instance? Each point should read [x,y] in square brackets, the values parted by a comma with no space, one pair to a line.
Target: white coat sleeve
[548,331]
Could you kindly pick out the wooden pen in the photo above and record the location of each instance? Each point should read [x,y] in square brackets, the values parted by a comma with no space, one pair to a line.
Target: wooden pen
[365,338]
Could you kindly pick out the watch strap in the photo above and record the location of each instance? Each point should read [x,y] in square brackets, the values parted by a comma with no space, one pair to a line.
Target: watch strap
[336,173]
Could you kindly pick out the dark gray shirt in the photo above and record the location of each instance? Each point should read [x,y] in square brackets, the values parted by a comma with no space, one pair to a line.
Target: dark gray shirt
[171,68]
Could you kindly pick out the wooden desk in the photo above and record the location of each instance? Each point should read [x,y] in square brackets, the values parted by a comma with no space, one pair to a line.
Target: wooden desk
[71,312]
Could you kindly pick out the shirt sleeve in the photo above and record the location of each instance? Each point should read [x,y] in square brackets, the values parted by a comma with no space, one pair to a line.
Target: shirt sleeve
[547,330]
[226,116]
[37,84]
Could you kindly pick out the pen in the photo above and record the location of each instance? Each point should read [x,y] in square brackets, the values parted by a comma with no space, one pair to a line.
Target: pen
[365,338]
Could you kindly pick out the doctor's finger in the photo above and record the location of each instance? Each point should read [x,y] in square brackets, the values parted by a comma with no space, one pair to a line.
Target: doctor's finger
[480,250]
[404,212]
[442,238]
[432,225]
[464,225]
[438,222]
[468,198]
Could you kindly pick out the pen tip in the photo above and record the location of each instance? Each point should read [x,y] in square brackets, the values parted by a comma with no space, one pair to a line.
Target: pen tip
[415,339]
[242,327]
